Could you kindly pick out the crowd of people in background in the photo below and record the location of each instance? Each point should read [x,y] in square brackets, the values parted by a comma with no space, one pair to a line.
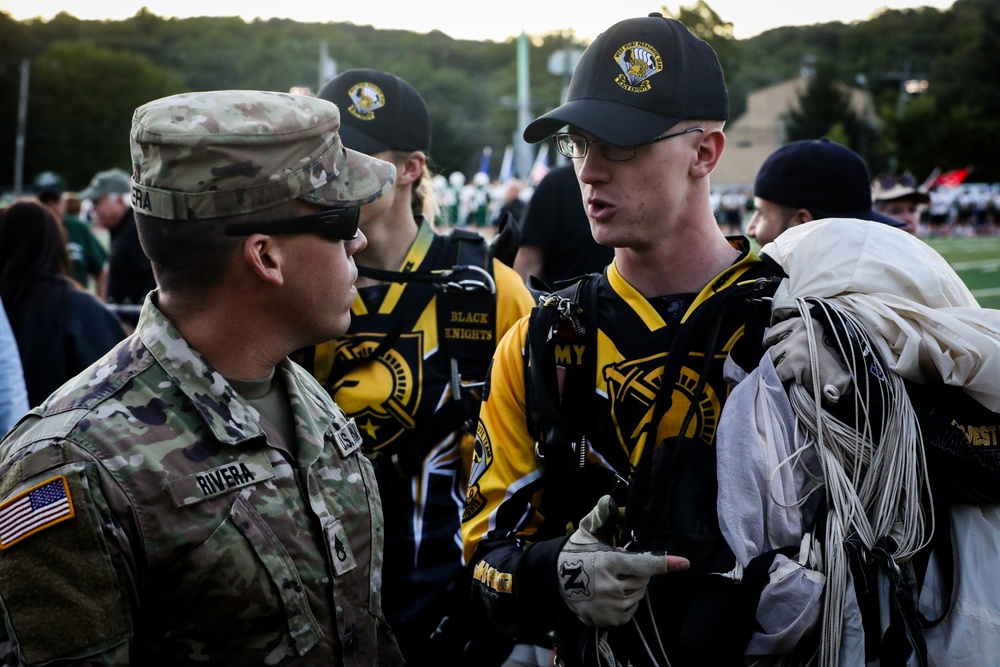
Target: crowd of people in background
[968,209]
[365,335]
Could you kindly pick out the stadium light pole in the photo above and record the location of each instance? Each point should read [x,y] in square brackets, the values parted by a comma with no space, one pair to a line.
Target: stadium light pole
[521,147]
[22,124]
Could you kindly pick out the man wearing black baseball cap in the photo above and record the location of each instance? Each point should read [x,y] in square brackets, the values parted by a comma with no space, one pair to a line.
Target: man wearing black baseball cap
[406,373]
[810,180]
[595,453]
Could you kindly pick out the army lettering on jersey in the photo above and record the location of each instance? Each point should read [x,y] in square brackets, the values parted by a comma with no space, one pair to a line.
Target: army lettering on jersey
[219,480]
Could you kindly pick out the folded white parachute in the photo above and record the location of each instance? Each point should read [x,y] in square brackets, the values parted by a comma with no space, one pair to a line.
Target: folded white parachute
[779,451]
[923,320]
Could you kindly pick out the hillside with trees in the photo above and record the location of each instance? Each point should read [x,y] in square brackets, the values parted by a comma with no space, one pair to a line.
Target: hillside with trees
[87,77]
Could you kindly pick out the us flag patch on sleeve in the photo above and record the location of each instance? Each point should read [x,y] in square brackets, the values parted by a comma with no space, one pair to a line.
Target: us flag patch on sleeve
[36,509]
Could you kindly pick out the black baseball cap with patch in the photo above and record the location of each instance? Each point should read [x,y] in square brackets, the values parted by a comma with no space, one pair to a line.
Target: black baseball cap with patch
[379,111]
[638,79]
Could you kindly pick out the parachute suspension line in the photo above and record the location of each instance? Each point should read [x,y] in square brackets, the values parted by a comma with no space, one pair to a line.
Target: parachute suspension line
[605,655]
[656,635]
[873,490]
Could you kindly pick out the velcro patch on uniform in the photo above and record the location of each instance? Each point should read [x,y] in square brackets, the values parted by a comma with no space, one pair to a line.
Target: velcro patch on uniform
[340,548]
[219,480]
[347,437]
[40,507]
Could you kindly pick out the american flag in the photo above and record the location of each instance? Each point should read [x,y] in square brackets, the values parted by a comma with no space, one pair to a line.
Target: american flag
[33,510]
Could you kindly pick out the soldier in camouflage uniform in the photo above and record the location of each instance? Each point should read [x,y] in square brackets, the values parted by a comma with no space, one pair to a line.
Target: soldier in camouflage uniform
[194,497]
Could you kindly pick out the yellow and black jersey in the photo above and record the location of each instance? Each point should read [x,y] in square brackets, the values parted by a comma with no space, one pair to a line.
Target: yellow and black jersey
[391,372]
[650,444]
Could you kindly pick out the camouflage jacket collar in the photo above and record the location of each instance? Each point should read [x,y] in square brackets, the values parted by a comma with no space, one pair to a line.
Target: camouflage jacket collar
[231,419]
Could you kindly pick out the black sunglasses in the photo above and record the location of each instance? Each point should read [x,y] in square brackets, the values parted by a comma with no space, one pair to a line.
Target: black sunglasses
[889,182]
[334,224]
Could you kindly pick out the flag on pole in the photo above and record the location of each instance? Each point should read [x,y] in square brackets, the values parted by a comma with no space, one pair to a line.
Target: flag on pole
[930,180]
[953,178]
[541,166]
[507,166]
[484,161]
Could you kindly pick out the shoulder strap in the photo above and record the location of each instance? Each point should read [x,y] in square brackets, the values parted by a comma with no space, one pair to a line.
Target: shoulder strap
[466,322]
[648,504]
[566,318]
[467,302]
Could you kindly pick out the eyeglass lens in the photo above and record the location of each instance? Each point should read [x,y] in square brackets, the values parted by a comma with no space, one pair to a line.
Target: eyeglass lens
[574,146]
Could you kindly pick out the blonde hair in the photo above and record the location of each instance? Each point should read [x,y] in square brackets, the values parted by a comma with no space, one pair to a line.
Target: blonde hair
[424,200]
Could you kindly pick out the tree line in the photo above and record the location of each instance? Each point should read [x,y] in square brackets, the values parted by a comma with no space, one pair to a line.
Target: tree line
[87,77]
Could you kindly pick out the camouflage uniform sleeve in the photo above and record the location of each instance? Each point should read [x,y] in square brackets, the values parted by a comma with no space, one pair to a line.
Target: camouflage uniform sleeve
[63,577]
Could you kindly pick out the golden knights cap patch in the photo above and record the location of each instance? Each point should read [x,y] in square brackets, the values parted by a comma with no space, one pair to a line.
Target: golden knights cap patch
[638,61]
[34,510]
[367,98]
[382,112]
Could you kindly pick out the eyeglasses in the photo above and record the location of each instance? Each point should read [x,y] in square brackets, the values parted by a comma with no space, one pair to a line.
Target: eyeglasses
[334,224]
[574,146]
[888,182]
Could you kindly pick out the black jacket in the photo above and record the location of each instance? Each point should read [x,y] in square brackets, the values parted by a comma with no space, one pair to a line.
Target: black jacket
[60,330]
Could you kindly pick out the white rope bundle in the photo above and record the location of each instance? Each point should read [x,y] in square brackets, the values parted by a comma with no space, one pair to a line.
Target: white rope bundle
[872,490]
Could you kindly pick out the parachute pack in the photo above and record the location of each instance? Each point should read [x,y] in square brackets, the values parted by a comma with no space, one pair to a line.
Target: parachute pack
[463,285]
[560,396]
[466,322]
[960,437]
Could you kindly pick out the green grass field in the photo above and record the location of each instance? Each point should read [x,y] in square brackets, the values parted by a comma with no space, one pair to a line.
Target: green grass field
[977,261]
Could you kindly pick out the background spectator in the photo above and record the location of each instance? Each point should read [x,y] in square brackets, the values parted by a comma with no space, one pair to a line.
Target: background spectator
[809,180]
[13,393]
[87,257]
[898,197]
[60,329]
[130,276]
[556,243]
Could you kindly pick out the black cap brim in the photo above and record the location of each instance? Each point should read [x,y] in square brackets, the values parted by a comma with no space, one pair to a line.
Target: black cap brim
[875,216]
[358,141]
[610,121]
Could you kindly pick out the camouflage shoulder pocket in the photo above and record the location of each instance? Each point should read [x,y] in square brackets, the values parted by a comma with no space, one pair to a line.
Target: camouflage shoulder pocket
[59,587]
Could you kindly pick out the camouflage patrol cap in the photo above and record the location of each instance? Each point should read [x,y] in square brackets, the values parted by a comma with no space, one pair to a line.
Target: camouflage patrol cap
[222,153]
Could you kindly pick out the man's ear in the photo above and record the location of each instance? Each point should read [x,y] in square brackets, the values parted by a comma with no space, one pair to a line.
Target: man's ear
[712,142]
[801,217]
[410,169]
[264,258]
